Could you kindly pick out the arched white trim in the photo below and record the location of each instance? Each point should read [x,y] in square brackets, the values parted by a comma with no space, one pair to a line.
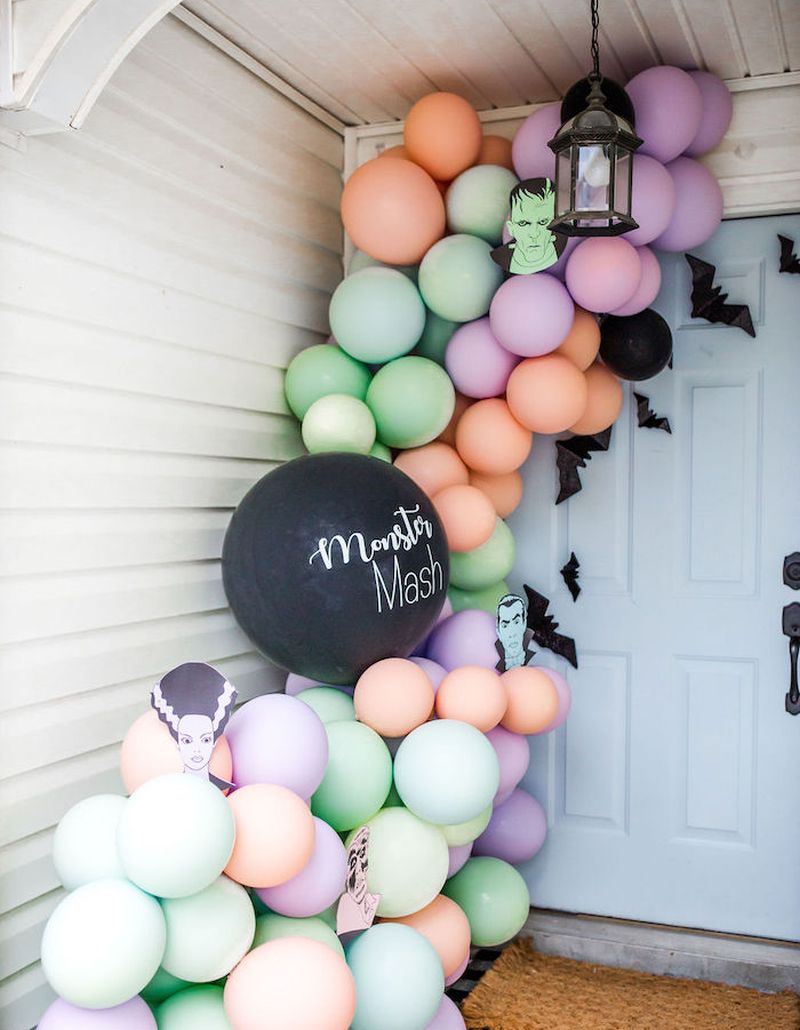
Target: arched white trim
[78,53]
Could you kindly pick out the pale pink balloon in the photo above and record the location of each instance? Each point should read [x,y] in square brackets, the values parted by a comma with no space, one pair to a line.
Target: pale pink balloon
[603,273]
[698,206]
[649,285]
[652,199]
[717,113]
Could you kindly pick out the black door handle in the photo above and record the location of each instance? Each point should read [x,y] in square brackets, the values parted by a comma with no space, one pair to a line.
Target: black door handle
[791,629]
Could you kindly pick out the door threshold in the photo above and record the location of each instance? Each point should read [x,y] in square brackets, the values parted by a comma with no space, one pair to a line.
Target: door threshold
[765,965]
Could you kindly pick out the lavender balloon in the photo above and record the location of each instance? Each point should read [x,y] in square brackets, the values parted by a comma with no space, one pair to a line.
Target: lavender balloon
[278,739]
[466,638]
[669,108]
[318,884]
[455,977]
[132,1015]
[296,684]
[458,858]
[652,199]
[559,269]
[698,208]
[649,284]
[433,670]
[717,113]
[516,830]
[448,1017]
[531,314]
[564,704]
[513,755]
[478,365]
[530,154]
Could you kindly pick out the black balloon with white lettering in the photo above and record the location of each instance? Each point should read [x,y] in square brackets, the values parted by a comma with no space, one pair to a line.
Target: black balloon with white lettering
[334,561]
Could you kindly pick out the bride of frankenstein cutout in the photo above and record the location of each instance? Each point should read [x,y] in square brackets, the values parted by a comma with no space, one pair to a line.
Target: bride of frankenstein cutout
[532,247]
[194,701]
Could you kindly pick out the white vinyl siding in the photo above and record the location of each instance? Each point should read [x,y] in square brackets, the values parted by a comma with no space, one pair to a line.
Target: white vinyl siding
[158,270]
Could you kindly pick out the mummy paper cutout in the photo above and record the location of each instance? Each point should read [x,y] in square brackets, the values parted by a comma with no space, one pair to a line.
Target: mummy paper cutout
[570,573]
[544,626]
[532,247]
[788,262]
[194,701]
[357,907]
[647,418]
[709,302]
[573,454]
[513,635]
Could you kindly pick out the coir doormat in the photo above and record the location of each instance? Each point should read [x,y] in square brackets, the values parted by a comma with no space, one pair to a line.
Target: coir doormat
[525,990]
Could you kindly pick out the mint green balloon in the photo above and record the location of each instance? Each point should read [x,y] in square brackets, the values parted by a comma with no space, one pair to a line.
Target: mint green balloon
[458,279]
[435,337]
[381,451]
[412,400]
[85,841]
[485,599]
[162,986]
[320,370]
[361,260]
[357,777]
[408,861]
[376,315]
[329,915]
[478,201]
[209,932]
[485,565]
[197,1008]
[272,926]
[329,704]
[462,833]
[494,898]
[338,422]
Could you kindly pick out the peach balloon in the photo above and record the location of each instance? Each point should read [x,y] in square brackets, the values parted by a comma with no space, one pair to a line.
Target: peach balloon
[148,750]
[547,394]
[532,700]
[433,467]
[448,434]
[393,210]
[274,835]
[472,694]
[505,491]
[604,402]
[489,438]
[294,983]
[443,135]
[496,150]
[393,697]
[445,926]
[467,514]
[396,151]
[582,342]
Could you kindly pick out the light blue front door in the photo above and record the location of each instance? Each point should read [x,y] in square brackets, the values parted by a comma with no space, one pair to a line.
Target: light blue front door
[673,791]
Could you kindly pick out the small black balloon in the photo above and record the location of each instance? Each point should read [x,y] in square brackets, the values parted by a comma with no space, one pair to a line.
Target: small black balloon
[617,100]
[334,561]
[636,347]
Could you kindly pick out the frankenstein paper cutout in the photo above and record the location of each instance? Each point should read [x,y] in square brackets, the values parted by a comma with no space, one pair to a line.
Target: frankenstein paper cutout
[194,701]
[788,260]
[357,907]
[544,626]
[513,636]
[570,574]
[708,301]
[532,247]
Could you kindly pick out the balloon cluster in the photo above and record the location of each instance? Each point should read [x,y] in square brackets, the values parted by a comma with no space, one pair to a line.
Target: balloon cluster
[190,907]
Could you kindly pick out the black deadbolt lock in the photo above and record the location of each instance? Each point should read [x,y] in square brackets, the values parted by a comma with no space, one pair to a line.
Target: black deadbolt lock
[791,570]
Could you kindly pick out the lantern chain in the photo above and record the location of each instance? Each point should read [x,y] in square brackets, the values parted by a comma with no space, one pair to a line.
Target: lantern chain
[595,47]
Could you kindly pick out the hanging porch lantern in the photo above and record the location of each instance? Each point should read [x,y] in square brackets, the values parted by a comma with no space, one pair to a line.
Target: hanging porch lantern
[594,164]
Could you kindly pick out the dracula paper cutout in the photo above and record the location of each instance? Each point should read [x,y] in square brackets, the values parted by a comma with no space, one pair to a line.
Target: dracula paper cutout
[570,574]
[513,636]
[708,301]
[532,247]
[357,907]
[544,626]
[194,701]
[789,262]
[647,418]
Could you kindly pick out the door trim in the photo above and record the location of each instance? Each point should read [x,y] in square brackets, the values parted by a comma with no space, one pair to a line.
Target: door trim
[766,965]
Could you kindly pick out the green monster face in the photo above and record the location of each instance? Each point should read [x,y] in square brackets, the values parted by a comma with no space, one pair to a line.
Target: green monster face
[533,244]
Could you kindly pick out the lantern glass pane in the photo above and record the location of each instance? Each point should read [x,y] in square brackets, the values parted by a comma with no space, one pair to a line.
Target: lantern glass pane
[622,190]
[593,173]
[564,179]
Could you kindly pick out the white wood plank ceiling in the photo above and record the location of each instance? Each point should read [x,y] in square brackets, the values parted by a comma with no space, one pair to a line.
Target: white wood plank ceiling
[368,61]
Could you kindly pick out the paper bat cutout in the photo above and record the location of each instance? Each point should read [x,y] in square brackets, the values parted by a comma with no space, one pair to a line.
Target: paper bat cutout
[573,454]
[789,261]
[647,418]
[544,626]
[570,573]
[708,301]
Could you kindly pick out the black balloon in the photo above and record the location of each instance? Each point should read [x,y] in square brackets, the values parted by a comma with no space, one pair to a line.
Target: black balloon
[334,561]
[617,100]
[636,347]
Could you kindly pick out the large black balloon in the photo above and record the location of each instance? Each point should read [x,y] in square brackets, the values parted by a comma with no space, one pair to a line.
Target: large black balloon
[617,100]
[635,347]
[334,561]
